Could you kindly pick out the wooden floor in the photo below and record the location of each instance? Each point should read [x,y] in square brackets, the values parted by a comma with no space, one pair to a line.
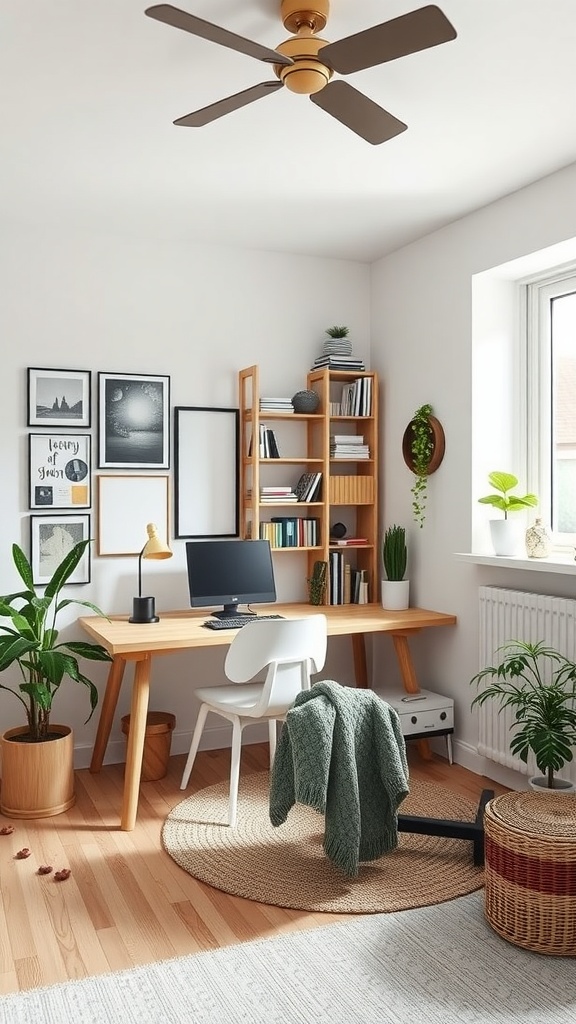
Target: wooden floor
[126,901]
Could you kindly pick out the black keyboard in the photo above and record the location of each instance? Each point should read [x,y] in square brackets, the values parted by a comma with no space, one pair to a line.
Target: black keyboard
[234,622]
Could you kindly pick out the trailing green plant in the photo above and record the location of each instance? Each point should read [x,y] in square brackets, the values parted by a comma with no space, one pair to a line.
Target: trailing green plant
[503,483]
[539,684]
[31,642]
[421,448]
[338,332]
[394,552]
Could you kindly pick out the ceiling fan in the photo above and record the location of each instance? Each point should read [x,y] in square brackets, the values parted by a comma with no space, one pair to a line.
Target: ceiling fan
[305,63]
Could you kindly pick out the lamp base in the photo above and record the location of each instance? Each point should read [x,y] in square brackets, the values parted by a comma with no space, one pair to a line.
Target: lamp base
[143,610]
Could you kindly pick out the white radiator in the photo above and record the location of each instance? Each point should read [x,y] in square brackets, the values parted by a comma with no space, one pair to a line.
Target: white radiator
[515,615]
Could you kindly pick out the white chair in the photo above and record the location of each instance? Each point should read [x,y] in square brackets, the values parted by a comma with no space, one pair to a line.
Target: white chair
[290,650]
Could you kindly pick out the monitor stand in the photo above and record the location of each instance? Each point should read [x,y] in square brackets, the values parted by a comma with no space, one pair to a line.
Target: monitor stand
[230,611]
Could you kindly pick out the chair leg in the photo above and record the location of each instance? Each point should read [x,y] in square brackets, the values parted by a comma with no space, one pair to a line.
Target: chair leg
[195,743]
[272,739]
[234,771]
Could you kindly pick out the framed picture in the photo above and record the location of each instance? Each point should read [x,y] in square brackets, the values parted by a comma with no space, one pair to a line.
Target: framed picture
[126,504]
[60,470]
[206,455]
[133,421]
[58,398]
[51,538]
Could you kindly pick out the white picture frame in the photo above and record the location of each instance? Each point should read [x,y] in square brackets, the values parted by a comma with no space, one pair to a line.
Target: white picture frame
[206,473]
[60,471]
[125,505]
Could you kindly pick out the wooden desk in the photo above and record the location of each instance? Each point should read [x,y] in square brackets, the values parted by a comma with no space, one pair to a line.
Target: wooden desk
[181,630]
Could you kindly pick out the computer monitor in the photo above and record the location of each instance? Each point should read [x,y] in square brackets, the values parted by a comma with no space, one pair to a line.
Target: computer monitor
[229,572]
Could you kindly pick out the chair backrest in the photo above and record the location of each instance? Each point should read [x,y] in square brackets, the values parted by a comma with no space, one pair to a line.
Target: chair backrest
[291,650]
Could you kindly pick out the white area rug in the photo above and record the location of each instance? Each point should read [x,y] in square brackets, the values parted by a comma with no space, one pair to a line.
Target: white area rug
[435,965]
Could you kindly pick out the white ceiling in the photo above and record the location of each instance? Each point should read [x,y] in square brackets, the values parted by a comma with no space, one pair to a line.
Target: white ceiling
[89,90]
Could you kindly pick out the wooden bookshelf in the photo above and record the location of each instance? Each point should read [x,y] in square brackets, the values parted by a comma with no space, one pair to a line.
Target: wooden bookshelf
[349,490]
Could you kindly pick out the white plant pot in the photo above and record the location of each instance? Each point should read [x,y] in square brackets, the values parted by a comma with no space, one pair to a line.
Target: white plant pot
[539,784]
[395,594]
[507,536]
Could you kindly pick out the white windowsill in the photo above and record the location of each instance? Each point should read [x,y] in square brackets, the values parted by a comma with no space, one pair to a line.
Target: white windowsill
[559,563]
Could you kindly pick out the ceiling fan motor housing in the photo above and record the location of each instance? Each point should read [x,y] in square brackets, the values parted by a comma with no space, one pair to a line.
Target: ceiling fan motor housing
[307,74]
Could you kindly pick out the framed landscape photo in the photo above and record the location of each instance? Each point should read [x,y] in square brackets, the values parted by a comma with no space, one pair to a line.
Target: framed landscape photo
[206,475]
[51,538]
[59,398]
[133,421]
[60,467]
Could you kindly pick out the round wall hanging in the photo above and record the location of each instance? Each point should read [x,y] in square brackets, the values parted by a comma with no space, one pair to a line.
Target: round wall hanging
[438,441]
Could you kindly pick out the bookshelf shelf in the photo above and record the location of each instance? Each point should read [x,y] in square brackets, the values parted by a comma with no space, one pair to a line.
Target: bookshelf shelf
[349,484]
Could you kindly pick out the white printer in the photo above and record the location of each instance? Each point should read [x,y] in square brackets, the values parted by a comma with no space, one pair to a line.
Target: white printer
[423,714]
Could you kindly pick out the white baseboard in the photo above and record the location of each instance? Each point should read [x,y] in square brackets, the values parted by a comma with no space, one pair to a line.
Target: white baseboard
[216,738]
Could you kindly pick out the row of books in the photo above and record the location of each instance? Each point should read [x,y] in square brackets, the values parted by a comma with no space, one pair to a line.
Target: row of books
[309,487]
[291,532]
[356,397]
[267,443]
[346,585]
[348,446]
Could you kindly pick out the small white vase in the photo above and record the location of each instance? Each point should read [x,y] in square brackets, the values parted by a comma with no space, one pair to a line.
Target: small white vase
[507,536]
[395,594]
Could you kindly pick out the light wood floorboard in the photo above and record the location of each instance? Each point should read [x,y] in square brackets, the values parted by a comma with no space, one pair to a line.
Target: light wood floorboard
[126,901]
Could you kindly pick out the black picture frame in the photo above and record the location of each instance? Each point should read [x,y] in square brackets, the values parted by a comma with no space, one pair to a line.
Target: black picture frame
[59,398]
[133,421]
[51,538]
[59,471]
[206,474]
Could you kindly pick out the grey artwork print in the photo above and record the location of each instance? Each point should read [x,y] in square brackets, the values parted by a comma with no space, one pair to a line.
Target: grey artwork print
[58,398]
[134,421]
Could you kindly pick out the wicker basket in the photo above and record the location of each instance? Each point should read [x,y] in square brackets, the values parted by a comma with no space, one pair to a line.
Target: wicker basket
[530,873]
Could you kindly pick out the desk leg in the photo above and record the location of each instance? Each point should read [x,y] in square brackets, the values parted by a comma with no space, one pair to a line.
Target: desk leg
[408,673]
[359,653]
[109,703]
[135,749]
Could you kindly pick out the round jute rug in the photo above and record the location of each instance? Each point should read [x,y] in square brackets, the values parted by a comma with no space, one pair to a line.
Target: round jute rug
[287,867]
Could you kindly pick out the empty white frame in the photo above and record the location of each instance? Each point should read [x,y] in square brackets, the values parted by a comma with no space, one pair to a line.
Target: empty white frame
[126,504]
[206,451]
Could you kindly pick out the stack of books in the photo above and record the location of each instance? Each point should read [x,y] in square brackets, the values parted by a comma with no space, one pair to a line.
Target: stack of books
[337,362]
[348,446]
[276,405]
[356,398]
[277,495]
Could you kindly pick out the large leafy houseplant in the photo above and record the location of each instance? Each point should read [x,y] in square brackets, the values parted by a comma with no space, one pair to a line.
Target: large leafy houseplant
[539,684]
[31,641]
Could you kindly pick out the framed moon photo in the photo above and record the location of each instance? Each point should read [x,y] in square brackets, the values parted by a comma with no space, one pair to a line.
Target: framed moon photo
[133,421]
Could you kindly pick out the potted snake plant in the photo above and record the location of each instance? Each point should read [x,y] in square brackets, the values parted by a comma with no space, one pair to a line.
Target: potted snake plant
[395,590]
[38,757]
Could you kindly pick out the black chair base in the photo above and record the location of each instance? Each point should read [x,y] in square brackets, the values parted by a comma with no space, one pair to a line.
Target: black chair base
[452,829]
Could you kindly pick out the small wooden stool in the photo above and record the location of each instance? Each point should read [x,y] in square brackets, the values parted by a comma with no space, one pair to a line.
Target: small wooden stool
[530,874]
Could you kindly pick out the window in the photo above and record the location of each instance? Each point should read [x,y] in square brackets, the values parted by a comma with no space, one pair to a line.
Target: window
[551,400]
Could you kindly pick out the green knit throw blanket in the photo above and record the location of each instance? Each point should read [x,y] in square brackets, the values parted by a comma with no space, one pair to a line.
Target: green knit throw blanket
[341,751]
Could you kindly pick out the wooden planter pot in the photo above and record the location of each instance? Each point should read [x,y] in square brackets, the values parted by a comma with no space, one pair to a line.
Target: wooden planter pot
[438,441]
[37,778]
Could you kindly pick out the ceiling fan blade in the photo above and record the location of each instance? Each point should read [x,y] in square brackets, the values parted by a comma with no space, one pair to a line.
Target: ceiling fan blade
[206,30]
[409,33]
[240,99]
[357,112]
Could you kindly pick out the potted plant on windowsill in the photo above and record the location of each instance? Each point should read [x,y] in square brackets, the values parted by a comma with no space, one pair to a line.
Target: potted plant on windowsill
[539,684]
[38,758]
[395,590]
[423,447]
[506,534]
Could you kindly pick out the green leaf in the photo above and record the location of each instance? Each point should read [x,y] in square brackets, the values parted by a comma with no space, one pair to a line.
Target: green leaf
[23,566]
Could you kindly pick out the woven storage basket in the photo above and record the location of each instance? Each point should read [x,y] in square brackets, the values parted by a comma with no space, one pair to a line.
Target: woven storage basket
[530,872]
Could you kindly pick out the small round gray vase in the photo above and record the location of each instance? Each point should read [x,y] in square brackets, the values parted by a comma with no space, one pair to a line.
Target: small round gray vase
[305,401]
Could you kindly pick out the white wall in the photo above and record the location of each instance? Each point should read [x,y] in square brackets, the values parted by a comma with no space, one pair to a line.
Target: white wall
[422,348]
[79,301]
